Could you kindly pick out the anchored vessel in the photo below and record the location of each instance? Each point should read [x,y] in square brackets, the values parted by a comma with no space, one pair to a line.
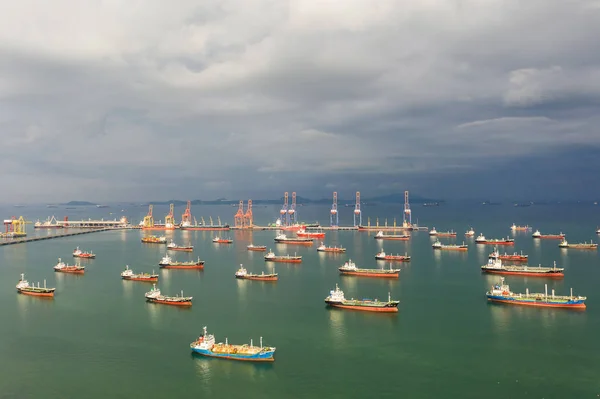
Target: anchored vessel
[336,299]
[129,275]
[187,225]
[283,239]
[78,253]
[396,237]
[515,257]
[514,227]
[271,257]
[434,232]
[257,248]
[310,234]
[167,263]
[155,296]
[470,232]
[64,268]
[184,248]
[582,245]
[205,346]
[350,269]
[439,245]
[242,273]
[220,240]
[154,240]
[495,266]
[323,248]
[400,258]
[537,234]
[494,241]
[24,288]
[501,293]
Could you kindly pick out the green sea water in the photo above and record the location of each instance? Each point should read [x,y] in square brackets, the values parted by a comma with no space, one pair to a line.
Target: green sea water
[98,337]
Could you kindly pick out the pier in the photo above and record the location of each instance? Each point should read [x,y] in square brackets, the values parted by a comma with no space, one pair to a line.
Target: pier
[32,239]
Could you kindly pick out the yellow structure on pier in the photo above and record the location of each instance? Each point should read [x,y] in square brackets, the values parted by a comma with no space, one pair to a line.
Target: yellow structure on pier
[15,227]
[149,219]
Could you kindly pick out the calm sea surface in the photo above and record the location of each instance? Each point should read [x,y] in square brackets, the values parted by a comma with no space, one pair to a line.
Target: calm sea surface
[98,338]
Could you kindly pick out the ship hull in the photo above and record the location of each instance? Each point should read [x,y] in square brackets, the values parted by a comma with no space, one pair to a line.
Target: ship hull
[550,237]
[142,279]
[513,259]
[84,256]
[185,267]
[523,273]
[181,249]
[207,228]
[393,238]
[452,249]
[580,247]
[496,242]
[369,274]
[154,242]
[172,303]
[258,249]
[258,278]
[333,251]
[445,235]
[38,294]
[534,303]
[223,242]
[259,357]
[158,228]
[280,260]
[48,227]
[311,235]
[293,242]
[70,271]
[393,259]
[378,309]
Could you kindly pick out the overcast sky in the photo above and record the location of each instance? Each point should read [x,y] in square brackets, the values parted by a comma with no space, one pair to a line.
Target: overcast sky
[154,100]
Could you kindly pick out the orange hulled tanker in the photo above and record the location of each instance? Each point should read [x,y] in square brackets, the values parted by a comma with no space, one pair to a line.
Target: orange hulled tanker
[271,257]
[398,258]
[155,296]
[128,274]
[24,288]
[62,267]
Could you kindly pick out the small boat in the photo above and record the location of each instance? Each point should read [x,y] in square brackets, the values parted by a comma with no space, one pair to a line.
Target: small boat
[336,299]
[581,245]
[154,240]
[167,263]
[271,257]
[283,239]
[78,253]
[537,234]
[129,275]
[434,232]
[514,227]
[205,346]
[400,258]
[24,288]
[501,293]
[310,234]
[495,266]
[494,241]
[184,248]
[242,273]
[396,237]
[515,257]
[64,268]
[470,232]
[155,296]
[350,269]
[219,240]
[439,245]
[323,248]
[257,248]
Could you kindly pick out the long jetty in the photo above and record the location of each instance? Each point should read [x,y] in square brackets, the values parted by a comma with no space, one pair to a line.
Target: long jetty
[49,237]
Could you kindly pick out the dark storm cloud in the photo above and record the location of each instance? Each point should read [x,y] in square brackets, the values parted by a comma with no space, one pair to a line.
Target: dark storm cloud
[244,99]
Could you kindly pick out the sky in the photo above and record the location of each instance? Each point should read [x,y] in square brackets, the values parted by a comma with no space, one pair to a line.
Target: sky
[142,100]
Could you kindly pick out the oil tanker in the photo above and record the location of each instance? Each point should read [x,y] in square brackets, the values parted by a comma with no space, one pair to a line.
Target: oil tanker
[24,288]
[243,274]
[167,263]
[155,296]
[501,293]
[350,269]
[128,274]
[206,346]
[537,234]
[395,237]
[495,266]
[336,299]
[64,268]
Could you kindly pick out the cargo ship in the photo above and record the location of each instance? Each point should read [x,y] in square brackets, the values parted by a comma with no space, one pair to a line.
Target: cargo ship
[470,233]
[219,240]
[514,227]
[154,240]
[515,257]
[167,263]
[257,248]
[494,241]
[501,293]
[243,274]
[452,247]
[78,253]
[205,346]
[310,234]
[537,234]
[186,225]
[396,237]
[24,288]
[283,239]
[399,258]
[271,257]
[64,268]
[495,266]
[155,296]
[336,299]
[350,269]
[581,245]
[183,248]
[323,248]
[128,274]
[50,223]
[378,227]
[434,232]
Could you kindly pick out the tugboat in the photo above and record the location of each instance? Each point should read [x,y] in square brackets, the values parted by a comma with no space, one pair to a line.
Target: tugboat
[439,245]
[155,296]
[396,237]
[495,241]
[537,234]
[271,257]
[514,227]
[64,268]
[78,253]
[174,247]
[470,232]
[400,258]
[582,245]
[154,240]
[167,263]
[244,275]
[350,269]
[310,234]
[501,293]
[257,248]
[515,257]
[129,275]
[219,240]
[205,346]
[323,248]
[24,288]
[283,239]
[495,266]
[336,299]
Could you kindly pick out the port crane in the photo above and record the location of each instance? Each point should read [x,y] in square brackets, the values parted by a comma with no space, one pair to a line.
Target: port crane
[170,218]
[148,219]
[406,220]
[284,218]
[238,218]
[292,211]
[248,217]
[186,217]
[16,227]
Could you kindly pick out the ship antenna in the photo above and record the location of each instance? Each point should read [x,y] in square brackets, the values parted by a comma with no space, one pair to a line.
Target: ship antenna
[22,276]
[389,295]
[260,342]
[251,343]
[571,292]
[545,290]
[44,283]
